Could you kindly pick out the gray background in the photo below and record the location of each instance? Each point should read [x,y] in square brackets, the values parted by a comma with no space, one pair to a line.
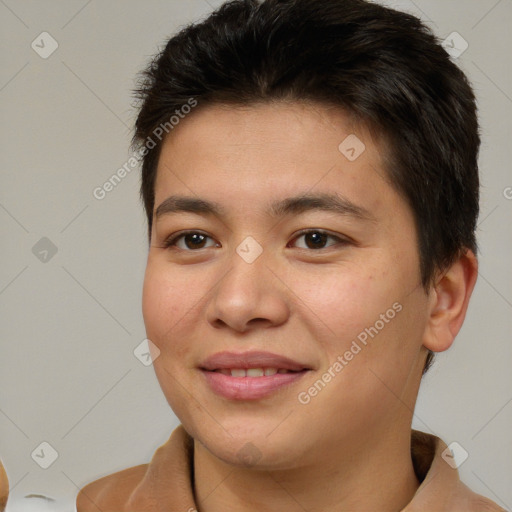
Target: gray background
[70,324]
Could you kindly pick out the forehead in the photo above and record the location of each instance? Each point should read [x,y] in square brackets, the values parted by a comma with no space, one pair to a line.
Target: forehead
[254,143]
[247,159]
[278,122]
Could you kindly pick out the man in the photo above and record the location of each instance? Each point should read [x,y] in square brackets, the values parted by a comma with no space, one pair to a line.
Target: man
[311,184]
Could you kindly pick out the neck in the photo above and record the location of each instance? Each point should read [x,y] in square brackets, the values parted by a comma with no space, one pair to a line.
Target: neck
[376,474]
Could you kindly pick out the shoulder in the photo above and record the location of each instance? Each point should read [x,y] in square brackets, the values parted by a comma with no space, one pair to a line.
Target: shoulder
[475,502]
[110,493]
[4,487]
[440,485]
[133,489]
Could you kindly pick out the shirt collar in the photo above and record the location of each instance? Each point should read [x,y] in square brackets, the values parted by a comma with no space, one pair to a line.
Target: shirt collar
[440,489]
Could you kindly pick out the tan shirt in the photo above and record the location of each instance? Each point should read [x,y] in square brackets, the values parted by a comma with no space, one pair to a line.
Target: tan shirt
[4,487]
[165,484]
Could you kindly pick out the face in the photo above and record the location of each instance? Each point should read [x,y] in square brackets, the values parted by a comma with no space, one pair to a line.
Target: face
[332,284]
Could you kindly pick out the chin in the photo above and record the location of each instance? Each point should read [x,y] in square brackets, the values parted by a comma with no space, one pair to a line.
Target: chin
[251,447]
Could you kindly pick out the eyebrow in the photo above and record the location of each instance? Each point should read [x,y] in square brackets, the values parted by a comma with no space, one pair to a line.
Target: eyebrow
[291,205]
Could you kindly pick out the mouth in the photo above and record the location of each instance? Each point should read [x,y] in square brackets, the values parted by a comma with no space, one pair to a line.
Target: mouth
[253,372]
[250,375]
[252,360]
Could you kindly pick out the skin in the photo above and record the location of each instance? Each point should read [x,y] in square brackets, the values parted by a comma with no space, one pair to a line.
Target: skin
[349,447]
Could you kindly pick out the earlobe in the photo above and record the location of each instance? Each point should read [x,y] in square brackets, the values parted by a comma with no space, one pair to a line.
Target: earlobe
[449,300]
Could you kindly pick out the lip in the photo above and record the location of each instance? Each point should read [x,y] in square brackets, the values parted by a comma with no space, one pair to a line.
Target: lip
[250,388]
[252,359]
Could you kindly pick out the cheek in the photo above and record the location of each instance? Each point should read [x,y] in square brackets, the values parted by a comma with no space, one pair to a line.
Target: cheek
[168,316]
[367,313]
[156,301]
[342,302]
[166,308]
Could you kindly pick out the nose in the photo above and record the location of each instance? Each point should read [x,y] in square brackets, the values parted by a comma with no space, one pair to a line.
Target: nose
[250,295]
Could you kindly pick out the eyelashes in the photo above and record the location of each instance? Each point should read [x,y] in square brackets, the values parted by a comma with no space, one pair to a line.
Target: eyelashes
[324,235]
[171,241]
[197,240]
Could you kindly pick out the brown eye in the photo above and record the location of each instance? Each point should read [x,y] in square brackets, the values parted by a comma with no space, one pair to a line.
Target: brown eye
[191,240]
[316,239]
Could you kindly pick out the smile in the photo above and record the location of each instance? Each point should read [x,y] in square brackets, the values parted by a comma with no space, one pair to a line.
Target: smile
[250,375]
[252,372]
[251,383]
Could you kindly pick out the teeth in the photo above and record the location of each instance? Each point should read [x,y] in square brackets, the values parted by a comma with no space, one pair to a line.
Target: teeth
[252,372]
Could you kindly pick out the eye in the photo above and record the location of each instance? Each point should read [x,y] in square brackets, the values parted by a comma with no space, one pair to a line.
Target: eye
[192,240]
[316,239]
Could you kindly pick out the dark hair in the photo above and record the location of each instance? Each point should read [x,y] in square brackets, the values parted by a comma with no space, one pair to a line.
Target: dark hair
[384,67]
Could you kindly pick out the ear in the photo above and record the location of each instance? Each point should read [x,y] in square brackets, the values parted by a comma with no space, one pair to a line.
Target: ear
[449,299]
